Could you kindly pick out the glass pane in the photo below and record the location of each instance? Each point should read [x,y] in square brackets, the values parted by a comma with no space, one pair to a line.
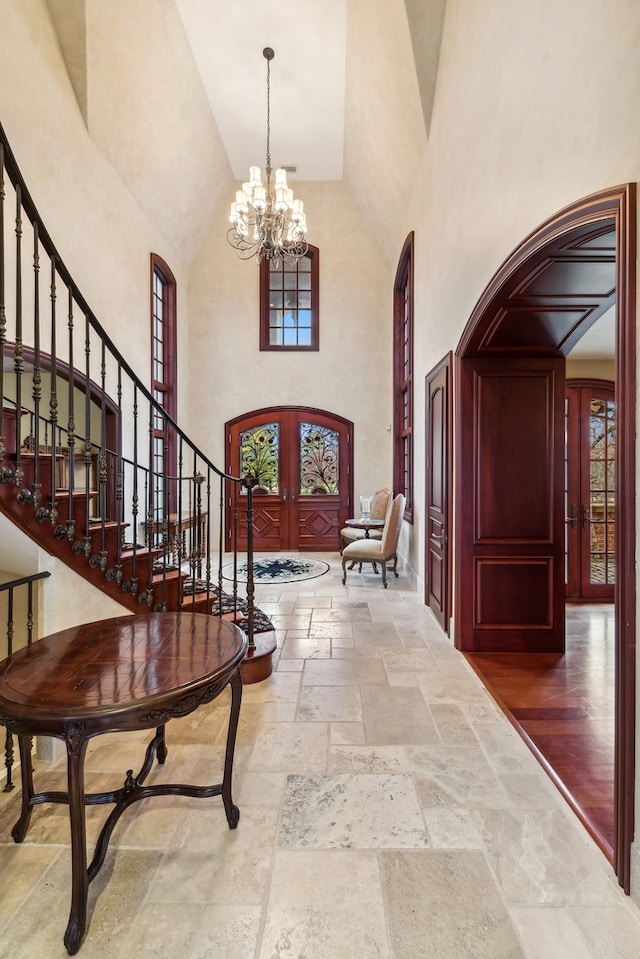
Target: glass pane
[275,300]
[304,337]
[259,449]
[598,569]
[290,281]
[304,264]
[318,460]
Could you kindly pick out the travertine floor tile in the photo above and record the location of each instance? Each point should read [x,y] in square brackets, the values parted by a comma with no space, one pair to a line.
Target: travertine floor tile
[325,905]
[388,810]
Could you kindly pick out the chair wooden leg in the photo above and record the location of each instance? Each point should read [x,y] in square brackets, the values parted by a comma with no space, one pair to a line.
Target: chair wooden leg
[344,571]
[384,573]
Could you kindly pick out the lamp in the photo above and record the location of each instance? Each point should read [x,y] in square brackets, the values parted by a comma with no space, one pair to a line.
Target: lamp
[267,222]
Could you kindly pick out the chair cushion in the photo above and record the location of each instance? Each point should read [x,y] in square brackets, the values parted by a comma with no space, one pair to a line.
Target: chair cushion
[350,535]
[365,550]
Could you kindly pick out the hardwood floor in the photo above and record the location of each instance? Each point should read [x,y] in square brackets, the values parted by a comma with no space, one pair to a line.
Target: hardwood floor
[563,705]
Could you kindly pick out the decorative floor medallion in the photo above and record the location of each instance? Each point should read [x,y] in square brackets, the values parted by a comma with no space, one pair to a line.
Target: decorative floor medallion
[278,569]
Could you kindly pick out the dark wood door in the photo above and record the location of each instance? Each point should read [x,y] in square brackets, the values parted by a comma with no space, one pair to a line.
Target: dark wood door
[437,486]
[511,556]
[302,460]
[590,494]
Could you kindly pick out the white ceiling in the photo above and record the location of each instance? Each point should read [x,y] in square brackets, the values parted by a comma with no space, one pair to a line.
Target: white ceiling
[307,80]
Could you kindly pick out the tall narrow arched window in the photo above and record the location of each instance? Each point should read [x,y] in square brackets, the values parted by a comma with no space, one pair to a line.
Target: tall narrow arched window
[289,315]
[403,377]
[163,381]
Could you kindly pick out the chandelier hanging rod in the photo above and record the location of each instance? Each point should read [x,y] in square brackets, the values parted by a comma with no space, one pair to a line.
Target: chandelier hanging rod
[267,222]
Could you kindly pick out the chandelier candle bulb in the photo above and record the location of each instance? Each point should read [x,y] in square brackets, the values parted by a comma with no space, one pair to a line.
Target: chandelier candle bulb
[281,179]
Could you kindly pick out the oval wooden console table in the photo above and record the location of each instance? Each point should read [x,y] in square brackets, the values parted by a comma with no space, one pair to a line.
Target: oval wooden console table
[122,674]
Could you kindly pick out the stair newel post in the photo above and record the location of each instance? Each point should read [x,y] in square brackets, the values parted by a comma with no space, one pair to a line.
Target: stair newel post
[221,535]
[115,573]
[131,585]
[198,480]
[250,482]
[163,501]
[18,362]
[146,596]
[52,512]
[36,378]
[206,527]
[68,529]
[99,560]
[178,548]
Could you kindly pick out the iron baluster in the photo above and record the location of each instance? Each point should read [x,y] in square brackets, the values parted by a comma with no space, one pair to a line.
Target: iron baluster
[18,364]
[68,529]
[99,560]
[115,573]
[53,399]
[36,375]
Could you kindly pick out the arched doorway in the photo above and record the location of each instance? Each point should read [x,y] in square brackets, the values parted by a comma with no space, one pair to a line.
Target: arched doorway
[302,460]
[510,450]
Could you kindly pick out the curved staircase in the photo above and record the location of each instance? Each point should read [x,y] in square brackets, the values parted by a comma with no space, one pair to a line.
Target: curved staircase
[85,484]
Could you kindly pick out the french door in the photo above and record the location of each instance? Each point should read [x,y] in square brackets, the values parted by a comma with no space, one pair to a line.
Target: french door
[590,501]
[302,461]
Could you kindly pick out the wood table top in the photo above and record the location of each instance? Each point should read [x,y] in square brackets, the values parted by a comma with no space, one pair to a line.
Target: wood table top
[117,665]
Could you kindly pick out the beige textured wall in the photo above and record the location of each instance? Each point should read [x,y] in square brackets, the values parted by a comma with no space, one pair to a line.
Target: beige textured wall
[351,373]
[534,108]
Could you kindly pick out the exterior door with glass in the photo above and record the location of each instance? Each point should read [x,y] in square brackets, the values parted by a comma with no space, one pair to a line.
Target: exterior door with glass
[302,461]
[590,490]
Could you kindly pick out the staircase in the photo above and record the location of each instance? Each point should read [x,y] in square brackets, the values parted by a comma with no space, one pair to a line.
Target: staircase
[80,433]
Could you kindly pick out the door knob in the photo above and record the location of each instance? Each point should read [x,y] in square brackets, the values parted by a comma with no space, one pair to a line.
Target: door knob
[573,519]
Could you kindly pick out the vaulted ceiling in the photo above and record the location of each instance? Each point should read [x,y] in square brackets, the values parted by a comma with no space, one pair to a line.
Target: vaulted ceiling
[350,81]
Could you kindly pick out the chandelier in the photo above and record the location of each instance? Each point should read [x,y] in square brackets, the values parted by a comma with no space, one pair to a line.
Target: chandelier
[267,222]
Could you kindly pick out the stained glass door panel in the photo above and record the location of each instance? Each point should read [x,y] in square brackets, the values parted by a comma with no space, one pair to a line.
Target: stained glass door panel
[301,459]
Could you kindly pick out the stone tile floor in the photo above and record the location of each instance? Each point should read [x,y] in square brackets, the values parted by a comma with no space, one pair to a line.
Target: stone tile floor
[388,809]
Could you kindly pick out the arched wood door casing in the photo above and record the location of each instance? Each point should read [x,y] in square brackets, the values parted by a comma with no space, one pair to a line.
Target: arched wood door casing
[302,460]
[544,297]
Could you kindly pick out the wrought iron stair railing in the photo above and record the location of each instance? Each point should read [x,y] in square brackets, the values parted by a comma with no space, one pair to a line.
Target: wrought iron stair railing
[91,466]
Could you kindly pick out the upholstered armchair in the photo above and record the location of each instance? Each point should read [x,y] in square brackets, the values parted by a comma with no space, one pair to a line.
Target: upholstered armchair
[379,505]
[378,551]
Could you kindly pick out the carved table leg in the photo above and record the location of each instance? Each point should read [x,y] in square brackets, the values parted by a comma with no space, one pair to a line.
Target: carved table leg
[19,831]
[76,749]
[232,812]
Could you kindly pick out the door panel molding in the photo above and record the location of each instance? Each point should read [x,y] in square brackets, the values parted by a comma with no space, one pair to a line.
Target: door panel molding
[438,479]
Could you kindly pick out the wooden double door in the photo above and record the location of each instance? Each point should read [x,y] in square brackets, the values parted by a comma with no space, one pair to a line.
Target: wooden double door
[301,459]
